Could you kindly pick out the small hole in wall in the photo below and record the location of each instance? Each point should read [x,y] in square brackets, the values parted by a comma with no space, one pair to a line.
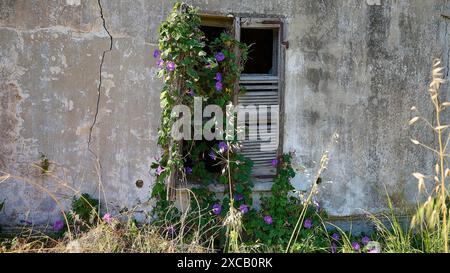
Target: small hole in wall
[139,183]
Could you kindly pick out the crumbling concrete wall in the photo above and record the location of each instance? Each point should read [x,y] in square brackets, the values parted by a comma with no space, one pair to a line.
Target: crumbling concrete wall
[352,67]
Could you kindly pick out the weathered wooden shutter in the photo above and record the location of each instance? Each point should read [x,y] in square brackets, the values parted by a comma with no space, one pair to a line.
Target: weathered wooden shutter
[263,89]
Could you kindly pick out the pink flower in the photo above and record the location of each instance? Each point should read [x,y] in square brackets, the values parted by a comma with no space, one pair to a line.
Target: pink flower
[107,218]
[159,171]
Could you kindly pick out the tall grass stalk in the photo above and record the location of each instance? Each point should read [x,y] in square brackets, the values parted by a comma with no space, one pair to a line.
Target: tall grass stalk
[322,166]
[433,214]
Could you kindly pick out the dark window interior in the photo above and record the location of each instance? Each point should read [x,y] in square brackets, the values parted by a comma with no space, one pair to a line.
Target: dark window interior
[261,55]
[211,33]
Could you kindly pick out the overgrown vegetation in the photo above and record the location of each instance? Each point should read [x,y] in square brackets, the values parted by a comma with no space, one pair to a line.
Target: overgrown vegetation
[288,221]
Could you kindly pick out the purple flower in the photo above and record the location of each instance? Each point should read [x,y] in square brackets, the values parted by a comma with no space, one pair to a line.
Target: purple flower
[333,248]
[223,147]
[188,170]
[268,219]
[243,208]
[365,240]
[219,77]
[356,246]
[208,65]
[160,63]
[217,208]
[308,224]
[107,218]
[170,66]
[58,225]
[156,53]
[274,163]
[190,92]
[239,197]
[220,57]
[171,229]
[336,236]
[159,171]
[219,86]
[212,155]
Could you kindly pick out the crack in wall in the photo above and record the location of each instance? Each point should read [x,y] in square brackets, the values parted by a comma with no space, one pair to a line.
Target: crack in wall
[98,166]
[100,76]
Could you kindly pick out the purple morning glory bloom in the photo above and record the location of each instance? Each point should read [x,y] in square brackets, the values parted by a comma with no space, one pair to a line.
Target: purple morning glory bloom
[58,225]
[190,92]
[243,208]
[336,236]
[219,86]
[268,219]
[274,163]
[170,66]
[217,208]
[170,230]
[219,77]
[160,63]
[220,57]
[308,224]
[356,246]
[223,147]
[159,171]
[333,248]
[212,155]
[239,197]
[188,170]
[156,53]
[365,240]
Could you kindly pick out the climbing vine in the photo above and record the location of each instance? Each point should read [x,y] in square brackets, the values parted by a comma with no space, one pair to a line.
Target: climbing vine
[190,67]
[193,67]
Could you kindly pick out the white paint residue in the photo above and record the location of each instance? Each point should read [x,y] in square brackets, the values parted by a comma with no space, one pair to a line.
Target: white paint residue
[73,2]
[55,70]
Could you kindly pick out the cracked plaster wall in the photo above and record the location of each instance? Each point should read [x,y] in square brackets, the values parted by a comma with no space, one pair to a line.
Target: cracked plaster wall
[352,66]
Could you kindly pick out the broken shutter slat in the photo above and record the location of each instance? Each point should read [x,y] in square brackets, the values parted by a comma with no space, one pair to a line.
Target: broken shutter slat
[260,90]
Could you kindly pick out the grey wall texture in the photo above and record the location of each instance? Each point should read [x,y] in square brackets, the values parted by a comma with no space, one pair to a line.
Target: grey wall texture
[352,67]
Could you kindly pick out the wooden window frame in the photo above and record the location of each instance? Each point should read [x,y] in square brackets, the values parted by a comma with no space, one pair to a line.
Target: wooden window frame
[236,23]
